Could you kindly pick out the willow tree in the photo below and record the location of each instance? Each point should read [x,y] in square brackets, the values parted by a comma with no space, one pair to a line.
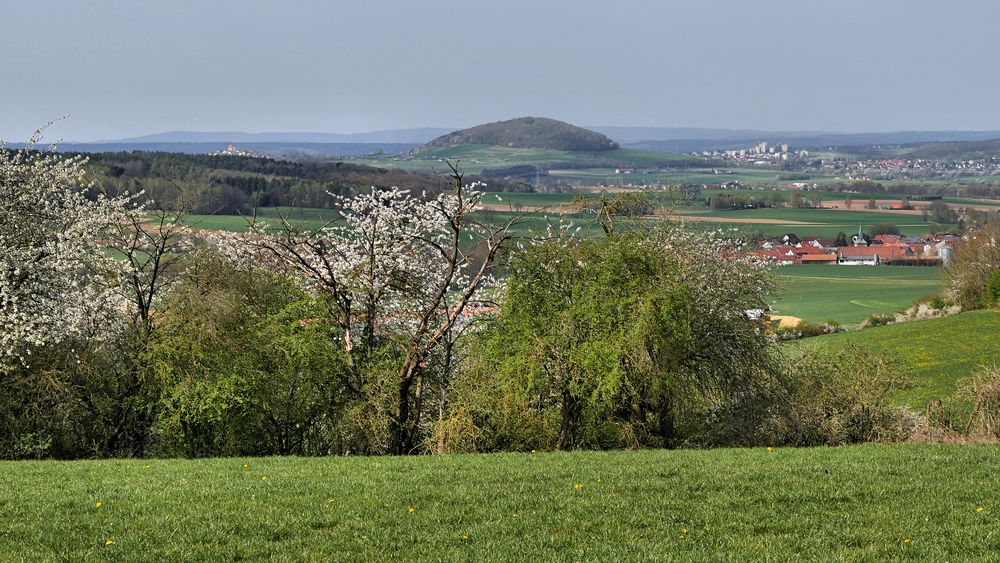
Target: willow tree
[634,339]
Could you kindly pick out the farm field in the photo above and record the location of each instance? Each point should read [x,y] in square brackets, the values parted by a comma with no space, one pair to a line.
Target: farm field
[858,503]
[306,217]
[476,158]
[824,223]
[938,352]
[850,294]
[607,176]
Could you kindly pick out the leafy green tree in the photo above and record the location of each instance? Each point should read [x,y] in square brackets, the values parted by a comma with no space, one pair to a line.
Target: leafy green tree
[884,229]
[243,362]
[612,343]
[841,239]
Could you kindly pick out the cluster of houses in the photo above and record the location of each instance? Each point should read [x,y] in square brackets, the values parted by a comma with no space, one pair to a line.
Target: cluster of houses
[232,150]
[890,250]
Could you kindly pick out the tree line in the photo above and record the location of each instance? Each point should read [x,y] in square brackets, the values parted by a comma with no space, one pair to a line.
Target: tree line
[407,327]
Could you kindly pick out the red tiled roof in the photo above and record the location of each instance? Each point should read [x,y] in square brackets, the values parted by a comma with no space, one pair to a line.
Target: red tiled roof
[819,258]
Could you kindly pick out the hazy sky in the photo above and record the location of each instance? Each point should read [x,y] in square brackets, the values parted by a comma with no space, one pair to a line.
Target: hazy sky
[125,68]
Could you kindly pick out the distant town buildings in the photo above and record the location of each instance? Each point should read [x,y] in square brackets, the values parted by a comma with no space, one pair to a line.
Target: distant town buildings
[760,153]
[232,150]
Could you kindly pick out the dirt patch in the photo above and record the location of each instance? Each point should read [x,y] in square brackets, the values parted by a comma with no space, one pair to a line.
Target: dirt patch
[786,321]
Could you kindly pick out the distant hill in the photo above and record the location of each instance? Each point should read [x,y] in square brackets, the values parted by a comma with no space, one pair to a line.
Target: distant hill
[968,150]
[277,149]
[402,136]
[527,132]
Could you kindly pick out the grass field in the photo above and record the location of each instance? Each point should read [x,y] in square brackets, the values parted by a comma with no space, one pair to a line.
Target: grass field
[607,176]
[939,352]
[850,294]
[859,503]
[476,158]
[307,217]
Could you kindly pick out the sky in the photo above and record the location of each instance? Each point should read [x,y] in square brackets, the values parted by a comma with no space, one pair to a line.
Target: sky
[128,68]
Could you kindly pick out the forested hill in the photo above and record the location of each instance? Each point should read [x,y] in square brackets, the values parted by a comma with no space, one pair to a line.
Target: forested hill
[232,184]
[963,150]
[527,132]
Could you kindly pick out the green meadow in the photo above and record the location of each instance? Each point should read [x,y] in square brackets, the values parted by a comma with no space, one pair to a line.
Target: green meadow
[473,159]
[938,353]
[850,294]
[921,503]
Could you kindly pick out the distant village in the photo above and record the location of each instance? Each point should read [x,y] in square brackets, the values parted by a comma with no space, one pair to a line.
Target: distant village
[883,249]
[233,150]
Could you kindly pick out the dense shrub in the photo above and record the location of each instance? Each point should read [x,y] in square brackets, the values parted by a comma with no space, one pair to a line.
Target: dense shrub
[993,289]
[840,397]
[244,366]
[878,319]
[806,330]
[977,258]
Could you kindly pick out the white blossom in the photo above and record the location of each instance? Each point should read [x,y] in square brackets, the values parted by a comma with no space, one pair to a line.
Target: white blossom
[53,266]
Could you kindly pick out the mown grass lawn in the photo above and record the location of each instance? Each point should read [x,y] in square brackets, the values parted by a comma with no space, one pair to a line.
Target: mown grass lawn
[938,353]
[865,502]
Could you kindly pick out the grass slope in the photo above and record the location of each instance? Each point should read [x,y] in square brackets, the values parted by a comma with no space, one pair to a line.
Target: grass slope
[938,352]
[864,502]
[850,294]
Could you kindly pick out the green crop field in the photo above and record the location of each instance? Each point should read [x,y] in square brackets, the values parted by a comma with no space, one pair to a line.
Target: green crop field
[921,503]
[476,158]
[820,222]
[850,294]
[311,218]
[939,352]
[607,176]
[545,200]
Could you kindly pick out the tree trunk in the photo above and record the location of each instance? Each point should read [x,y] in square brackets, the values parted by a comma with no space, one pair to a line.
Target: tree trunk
[667,431]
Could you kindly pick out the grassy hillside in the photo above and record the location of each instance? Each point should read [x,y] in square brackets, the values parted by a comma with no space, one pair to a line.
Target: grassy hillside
[864,502]
[849,295]
[527,132]
[939,352]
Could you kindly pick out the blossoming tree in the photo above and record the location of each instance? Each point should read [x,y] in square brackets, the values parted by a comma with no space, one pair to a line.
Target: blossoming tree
[398,270]
[53,270]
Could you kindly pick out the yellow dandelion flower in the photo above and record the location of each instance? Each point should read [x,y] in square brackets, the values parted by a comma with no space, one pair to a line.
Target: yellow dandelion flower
[979,509]
[411,510]
[263,477]
[465,538]
[246,465]
[599,481]
[770,449]
[578,486]
[684,531]
[906,540]
[98,504]
[109,542]
[330,500]
[532,451]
